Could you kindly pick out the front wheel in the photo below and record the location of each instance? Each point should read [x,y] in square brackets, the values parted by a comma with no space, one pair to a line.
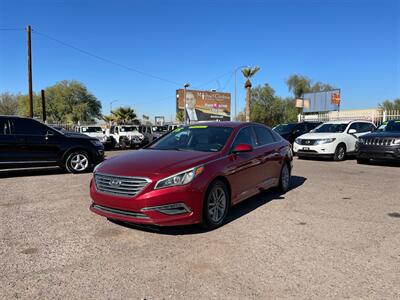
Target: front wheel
[340,153]
[78,162]
[216,204]
[284,179]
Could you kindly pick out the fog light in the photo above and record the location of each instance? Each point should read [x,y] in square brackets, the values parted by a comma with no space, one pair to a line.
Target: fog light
[169,209]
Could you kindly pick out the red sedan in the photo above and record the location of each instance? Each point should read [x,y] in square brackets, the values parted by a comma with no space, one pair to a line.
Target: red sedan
[193,174]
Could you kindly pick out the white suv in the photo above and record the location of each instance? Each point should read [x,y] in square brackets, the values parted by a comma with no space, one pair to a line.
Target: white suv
[332,139]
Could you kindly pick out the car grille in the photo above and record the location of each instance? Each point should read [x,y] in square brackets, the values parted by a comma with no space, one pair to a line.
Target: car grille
[307,142]
[120,185]
[378,141]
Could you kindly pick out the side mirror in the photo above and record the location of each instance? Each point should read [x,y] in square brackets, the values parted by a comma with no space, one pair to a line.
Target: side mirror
[49,133]
[352,131]
[242,148]
[312,130]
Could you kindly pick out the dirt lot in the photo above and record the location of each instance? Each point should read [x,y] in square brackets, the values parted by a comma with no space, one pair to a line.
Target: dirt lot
[336,234]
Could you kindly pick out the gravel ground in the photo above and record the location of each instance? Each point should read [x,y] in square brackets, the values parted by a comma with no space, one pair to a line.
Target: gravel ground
[336,234]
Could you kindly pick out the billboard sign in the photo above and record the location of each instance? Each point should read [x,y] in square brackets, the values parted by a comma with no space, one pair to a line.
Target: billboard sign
[322,101]
[204,105]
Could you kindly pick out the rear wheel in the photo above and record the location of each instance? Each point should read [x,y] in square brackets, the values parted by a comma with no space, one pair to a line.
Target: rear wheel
[362,160]
[340,153]
[284,179]
[78,162]
[216,204]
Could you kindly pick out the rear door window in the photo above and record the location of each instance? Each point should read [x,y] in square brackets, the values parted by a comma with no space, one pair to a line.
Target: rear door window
[29,127]
[366,127]
[263,136]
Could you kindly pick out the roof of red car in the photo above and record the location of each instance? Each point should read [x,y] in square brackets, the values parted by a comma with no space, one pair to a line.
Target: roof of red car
[232,124]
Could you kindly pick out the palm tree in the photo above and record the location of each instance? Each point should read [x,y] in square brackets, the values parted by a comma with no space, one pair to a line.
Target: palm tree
[248,73]
[124,115]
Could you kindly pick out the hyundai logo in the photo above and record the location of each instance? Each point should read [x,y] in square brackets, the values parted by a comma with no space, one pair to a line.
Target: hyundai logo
[115,182]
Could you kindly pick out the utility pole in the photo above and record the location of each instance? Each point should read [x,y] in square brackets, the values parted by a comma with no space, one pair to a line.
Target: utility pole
[28,31]
[43,106]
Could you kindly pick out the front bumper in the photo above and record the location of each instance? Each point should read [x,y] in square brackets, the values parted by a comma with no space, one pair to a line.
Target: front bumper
[324,150]
[379,152]
[164,207]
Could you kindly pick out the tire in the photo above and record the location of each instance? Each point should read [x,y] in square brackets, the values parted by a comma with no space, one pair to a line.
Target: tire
[284,178]
[122,145]
[362,161]
[340,152]
[216,205]
[78,162]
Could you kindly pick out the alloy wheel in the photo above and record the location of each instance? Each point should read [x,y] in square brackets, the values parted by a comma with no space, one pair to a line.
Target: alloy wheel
[79,162]
[217,204]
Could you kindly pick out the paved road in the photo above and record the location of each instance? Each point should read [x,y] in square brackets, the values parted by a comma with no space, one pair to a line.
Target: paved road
[336,234]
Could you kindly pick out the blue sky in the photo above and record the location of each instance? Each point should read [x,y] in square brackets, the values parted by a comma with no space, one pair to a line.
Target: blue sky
[353,45]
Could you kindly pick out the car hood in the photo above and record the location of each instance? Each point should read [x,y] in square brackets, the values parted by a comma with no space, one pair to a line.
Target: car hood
[95,134]
[149,163]
[77,135]
[319,135]
[382,134]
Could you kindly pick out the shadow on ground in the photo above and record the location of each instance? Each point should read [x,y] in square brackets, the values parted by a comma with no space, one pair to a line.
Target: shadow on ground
[235,212]
[31,172]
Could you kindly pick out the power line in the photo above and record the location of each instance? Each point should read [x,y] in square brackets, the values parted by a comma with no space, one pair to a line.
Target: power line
[106,59]
[11,29]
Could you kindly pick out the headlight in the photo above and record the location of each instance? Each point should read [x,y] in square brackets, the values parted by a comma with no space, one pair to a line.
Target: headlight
[397,141]
[181,178]
[361,140]
[324,141]
[96,142]
[297,141]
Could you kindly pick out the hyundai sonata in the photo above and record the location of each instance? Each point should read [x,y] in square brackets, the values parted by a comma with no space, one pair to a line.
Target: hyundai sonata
[193,174]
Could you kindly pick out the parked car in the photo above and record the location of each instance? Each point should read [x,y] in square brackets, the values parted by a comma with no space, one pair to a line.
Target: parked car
[27,143]
[382,144]
[332,139]
[291,131]
[98,133]
[193,174]
[159,131]
[147,131]
[127,136]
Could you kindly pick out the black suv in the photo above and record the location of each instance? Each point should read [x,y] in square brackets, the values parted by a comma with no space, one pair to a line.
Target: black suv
[383,144]
[27,143]
[291,131]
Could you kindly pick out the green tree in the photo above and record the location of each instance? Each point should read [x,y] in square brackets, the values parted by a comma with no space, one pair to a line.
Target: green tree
[390,105]
[124,115]
[248,73]
[179,116]
[8,104]
[269,109]
[299,85]
[67,101]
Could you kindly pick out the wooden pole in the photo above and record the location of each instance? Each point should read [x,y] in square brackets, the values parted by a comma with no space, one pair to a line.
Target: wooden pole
[43,106]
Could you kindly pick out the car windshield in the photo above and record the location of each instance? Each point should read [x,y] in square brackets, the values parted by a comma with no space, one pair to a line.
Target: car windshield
[393,126]
[331,127]
[194,138]
[284,128]
[128,128]
[92,129]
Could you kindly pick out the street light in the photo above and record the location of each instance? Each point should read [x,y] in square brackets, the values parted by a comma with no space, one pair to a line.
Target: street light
[237,68]
[185,86]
